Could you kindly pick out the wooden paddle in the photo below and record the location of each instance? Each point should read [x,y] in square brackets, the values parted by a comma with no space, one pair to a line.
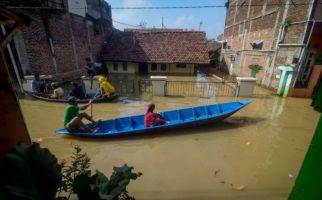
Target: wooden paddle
[93,100]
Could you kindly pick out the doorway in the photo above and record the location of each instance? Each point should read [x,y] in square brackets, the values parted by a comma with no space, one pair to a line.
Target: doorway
[143,68]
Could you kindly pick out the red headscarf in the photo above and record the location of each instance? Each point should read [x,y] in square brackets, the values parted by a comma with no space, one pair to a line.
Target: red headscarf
[151,107]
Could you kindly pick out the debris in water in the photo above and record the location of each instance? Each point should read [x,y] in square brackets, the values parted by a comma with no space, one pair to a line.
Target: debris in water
[223,182]
[238,188]
[248,143]
[39,140]
[291,176]
[216,172]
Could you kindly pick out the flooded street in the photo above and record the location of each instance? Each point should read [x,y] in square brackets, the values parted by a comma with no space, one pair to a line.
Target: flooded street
[258,147]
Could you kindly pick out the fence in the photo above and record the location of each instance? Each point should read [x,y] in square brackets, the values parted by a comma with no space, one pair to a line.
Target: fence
[200,89]
[143,87]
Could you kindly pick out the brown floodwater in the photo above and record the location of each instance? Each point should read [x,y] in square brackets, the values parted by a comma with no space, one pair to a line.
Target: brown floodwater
[259,147]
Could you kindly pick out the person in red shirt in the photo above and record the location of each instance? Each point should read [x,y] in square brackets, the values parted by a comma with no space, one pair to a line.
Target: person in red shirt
[151,118]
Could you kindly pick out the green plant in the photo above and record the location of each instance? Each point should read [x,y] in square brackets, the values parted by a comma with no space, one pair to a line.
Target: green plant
[80,164]
[32,172]
[29,172]
[255,67]
[99,187]
[318,58]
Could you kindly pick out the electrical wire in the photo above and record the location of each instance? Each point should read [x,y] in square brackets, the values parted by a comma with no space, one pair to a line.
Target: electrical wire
[208,6]
[172,7]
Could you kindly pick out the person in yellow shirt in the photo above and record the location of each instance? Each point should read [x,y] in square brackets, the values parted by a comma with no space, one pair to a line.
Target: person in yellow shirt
[107,88]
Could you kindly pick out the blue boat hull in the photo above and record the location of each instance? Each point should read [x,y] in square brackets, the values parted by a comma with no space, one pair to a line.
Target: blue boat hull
[178,119]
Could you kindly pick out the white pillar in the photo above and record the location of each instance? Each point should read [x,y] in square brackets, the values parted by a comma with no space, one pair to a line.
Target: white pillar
[158,85]
[245,86]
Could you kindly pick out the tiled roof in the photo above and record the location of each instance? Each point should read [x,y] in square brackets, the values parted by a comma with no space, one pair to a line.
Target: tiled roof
[157,46]
[149,30]
[213,46]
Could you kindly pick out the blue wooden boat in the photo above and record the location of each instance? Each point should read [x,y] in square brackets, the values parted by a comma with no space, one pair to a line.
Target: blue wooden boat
[179,118]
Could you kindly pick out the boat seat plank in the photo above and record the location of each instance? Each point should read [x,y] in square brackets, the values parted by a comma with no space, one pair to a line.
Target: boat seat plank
[214,110]
[137,122]
[123,124]
[171,115]
[200,112]
[186,114]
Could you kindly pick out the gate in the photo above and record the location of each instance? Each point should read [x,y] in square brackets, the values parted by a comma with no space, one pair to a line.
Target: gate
[200,89]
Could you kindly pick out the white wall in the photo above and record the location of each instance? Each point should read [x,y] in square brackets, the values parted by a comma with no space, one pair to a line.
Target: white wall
[172,68]
[158,68]
[187,70]
[131,67]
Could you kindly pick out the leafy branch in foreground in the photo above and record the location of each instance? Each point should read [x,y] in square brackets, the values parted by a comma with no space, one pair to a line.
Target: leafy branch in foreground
[32,172]
[80,164]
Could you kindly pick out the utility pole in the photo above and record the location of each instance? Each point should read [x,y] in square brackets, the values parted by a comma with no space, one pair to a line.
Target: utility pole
[162,23]
[200,25]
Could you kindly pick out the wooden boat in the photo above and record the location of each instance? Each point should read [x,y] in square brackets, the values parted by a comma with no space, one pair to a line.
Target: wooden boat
[180,118]
[90,96]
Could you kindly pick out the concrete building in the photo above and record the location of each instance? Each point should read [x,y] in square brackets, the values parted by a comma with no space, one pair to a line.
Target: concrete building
[272,33]
[61,35]
[155,51]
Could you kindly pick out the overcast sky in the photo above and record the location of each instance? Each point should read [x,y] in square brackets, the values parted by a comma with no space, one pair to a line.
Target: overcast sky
[213,19]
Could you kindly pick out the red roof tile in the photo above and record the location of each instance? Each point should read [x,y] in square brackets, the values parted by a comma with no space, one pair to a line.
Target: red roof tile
[173,46]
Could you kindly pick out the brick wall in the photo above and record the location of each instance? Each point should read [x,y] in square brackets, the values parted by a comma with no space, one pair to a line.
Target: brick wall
[244,24]
[37,44]
[73,38]
[61,34]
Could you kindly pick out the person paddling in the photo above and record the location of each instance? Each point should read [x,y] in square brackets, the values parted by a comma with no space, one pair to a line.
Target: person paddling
[73,119]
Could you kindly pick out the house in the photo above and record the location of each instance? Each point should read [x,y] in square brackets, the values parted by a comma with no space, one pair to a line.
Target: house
[62,33]
[214,49]
[270,34]
[155,51]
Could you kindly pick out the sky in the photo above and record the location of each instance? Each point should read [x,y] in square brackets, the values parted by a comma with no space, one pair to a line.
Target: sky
[212,19]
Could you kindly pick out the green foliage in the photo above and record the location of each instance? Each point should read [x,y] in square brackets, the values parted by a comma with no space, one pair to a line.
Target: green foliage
[255,67]
[318,58]
[29,172]
[99,187]
[80,164]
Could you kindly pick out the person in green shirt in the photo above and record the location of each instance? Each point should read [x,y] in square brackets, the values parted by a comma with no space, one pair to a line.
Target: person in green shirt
[73,119]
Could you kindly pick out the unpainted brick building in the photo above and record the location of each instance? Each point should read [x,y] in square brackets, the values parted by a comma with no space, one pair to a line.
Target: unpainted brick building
[62,33]
[271,33]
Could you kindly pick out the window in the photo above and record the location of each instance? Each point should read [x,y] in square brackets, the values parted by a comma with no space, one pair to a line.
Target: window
[154,67]
[115,66]
[257,44]
[224,45]
[181,66]
[242,2]
[51,46]
[163,67]
[124,66]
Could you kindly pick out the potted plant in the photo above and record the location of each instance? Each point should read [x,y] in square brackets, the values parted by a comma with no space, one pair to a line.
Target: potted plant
[318,58]
[254,69]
